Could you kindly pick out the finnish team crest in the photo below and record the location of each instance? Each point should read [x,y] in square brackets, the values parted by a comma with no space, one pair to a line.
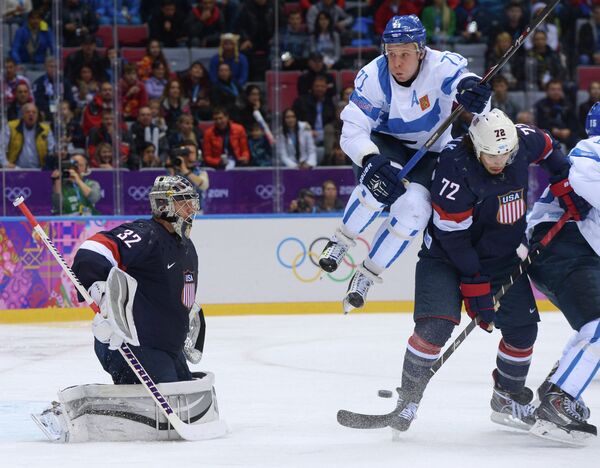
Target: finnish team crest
[511,207]
[424,102]
[188,294]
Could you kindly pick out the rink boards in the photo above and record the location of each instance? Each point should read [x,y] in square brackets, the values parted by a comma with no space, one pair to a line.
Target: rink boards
[247,265]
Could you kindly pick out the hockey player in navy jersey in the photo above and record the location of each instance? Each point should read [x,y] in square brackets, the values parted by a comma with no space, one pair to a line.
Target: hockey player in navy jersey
[479,194]
[400,98]
[568,272]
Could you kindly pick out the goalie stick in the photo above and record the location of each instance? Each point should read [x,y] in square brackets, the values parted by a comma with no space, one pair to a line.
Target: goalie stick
[210,430]
[378,421]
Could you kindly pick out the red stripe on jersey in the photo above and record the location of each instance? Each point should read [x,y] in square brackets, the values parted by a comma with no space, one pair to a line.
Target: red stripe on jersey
[456,217]
[423,346]
[515,352]
[110,245]
[548,148]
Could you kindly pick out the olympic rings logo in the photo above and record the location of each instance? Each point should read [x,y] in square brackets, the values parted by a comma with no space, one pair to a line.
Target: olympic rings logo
[268,191]
[139,193]
[12,193]
[292,254]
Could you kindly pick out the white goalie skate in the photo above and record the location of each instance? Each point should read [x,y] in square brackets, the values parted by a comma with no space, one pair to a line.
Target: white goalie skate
[53,423]
[358,288]
[334,251]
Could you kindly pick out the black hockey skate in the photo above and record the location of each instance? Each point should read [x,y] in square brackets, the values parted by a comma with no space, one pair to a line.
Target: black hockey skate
[358,288]
[513,409]
[559,420]
[334,252]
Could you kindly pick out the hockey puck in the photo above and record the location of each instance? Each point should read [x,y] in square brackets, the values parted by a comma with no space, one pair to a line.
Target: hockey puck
[385,393]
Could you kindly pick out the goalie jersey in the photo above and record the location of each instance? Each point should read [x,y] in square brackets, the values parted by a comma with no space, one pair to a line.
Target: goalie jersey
[165,267]
[409,113]
[479,218]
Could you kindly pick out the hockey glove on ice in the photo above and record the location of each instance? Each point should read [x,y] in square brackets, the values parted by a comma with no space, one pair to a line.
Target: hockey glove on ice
[472,94]
[478,299]
[576,205]
[381,178]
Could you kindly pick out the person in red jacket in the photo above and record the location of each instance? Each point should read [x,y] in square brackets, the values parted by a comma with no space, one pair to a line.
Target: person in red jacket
[92,113]
[225,143]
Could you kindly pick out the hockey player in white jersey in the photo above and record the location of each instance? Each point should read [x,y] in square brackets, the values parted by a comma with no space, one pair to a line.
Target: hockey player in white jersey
[568,272]
[400,98]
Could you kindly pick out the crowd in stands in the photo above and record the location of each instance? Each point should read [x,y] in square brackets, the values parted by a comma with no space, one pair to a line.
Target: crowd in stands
[219,103]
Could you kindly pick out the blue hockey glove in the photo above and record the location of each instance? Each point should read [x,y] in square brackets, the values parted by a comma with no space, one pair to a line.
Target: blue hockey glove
[575,204]
[472,94]
[381,178]
[478,299]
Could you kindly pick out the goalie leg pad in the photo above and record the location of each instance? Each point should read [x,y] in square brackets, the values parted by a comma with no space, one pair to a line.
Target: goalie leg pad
[99,412]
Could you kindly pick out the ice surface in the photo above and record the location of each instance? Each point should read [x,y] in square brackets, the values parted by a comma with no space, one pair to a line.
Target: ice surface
[280,381]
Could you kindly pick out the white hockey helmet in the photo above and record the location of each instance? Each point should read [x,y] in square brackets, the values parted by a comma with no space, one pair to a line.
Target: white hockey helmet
[165,192]
[494,134]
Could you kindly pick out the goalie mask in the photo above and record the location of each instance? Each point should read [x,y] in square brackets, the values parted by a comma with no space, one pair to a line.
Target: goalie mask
[174,199]
[494,134]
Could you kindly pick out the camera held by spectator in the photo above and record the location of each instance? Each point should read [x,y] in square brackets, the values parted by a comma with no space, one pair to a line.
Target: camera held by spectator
[72,192]
[305,203]
[183,160]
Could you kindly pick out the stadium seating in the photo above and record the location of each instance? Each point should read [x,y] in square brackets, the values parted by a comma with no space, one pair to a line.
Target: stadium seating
[203,54]
[586,74]
[105,34]
[475,54]
[133,54]
[287,90]
[178,58]
[133,36]
[346,78]
[205,125]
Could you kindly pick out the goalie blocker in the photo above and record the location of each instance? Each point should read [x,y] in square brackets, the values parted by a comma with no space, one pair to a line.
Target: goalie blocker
[99,412]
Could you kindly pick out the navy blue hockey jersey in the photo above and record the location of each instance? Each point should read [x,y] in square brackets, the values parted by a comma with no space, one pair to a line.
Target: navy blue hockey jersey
[479,218]
[165,267]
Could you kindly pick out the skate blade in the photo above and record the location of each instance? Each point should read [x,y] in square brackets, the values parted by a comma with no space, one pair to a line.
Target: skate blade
[550,431]
[395,435]
[347,307]
[509,421]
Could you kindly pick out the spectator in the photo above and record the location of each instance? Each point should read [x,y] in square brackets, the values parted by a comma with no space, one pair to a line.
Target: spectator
[73,193]
[205,25]
[196,85]
[153,53]
[345,95]
[185,131]
[23,96]
[389,8]
[33,41]
[148,157]
[553,113]
[157,118]
[329,201]
[225,143]
[294,45]
[155,85]
[513,22]
[305,203]
[501,98]
[296,144]
[126,12]
[45,94]
[104,156]
[594,97]
[15,10]
[144,131]
[183,161]
[173,103]
[316,108]
[105,134]
[225,91]
[525,117]
[550,29]
[341,19]
[546,62]
[261,152]
[511,70]
[85,88]
[315,67]
[229,53]
[29,143]
[92,113]
[336,157]
[256,26]
[589,39]
[440,22]
[168,25]
[325,40]
[113,55]
[252,102]
[78,20]
[72,132]
[133,93]
[86,55]
[472,21]
[11,80]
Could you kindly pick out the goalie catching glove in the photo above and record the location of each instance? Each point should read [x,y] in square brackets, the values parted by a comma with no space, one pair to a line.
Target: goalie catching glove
[114,324]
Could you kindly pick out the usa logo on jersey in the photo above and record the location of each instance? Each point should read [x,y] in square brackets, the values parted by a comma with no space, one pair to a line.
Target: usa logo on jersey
[189,291]
[511,207]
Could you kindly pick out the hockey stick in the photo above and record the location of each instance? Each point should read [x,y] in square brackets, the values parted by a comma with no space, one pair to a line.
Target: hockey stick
[486,78]
[521,269]
[210,430]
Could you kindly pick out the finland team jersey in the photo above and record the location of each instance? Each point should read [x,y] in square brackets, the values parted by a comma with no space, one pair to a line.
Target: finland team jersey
[584,177]
[479,218]
[165,267]
[409,113]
